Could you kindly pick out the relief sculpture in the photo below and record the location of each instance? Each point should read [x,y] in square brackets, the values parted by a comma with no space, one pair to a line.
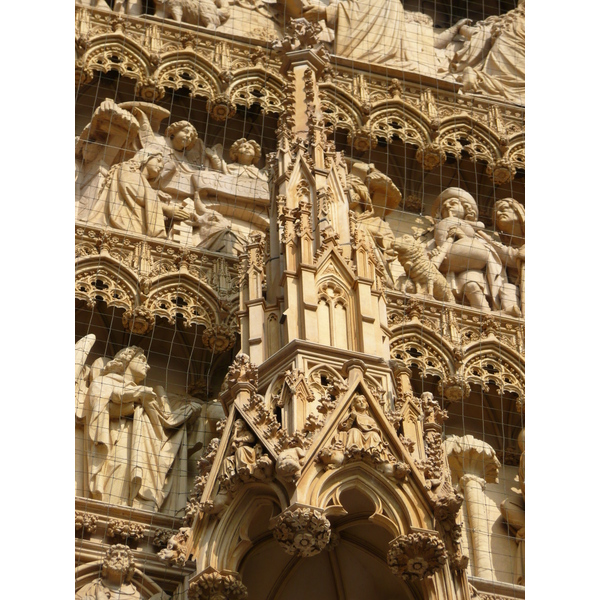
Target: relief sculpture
[171,186]
[492,60]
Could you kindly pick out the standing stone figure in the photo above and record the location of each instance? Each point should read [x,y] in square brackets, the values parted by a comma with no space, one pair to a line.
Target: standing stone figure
[471,264]
[136,440]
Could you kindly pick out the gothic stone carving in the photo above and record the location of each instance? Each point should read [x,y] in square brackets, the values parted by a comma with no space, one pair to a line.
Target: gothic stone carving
[125,530]
[303,532]
[421,271]
[85,523]
[416,555]
[214,585]
[118,569]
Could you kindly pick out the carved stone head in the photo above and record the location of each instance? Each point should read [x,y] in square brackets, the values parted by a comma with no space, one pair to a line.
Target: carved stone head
[509,216]
[182,135]
[453,200]
[122,359]
[118,564]
[245,152]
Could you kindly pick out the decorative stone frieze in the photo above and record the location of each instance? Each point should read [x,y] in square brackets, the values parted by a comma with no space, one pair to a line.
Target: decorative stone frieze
[126,530]
[416,556]
[302,531]
[85,523]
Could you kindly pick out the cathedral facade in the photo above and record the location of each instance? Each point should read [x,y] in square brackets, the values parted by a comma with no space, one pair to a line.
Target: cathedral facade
[300,300]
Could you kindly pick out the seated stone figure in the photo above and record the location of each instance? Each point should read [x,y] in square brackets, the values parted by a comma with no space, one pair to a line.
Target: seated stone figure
[471,264]
[362,431]
[247,459]
[492,61]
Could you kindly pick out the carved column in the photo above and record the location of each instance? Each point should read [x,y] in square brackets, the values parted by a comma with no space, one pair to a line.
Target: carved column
[474,462]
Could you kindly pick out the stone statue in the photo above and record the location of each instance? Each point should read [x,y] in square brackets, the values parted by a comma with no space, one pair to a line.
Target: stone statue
[129,200]
[492,61]
[419,269]
[135,437]
[363,433]
[207,13]
[115,583]
[245,155]
[248,459]
[380,31]
[182,151]
[509,217]
[472,266]
[102,141]
[373,195]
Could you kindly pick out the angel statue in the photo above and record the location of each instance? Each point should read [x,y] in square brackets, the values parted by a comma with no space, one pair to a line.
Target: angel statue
[134,447]
[104,141]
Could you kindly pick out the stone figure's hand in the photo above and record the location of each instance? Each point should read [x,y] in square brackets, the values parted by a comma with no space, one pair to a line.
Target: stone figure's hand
[176,213]
[456,232]
[463,22]
[164,196]
[315,13]
[521,254]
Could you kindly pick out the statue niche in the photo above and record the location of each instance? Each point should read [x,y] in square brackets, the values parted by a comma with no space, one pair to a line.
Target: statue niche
[135,437]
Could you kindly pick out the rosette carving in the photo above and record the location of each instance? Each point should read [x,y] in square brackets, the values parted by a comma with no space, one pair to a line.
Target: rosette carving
[416,555]
[303,532]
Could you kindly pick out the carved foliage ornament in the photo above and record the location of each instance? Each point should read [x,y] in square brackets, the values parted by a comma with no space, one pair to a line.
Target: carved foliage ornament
[416,556]
[302,532]
[213,585]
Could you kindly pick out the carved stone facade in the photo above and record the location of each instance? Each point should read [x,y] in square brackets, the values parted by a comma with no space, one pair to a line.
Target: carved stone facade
[300,342]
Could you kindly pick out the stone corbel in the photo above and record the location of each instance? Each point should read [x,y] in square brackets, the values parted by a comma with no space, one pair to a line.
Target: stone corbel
[416,556]
[221,107]
[217,585]
[454,388]
[301,530]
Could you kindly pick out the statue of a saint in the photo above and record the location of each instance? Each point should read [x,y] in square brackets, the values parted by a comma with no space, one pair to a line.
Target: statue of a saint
[363,433]
[115,583]
[248,459]
[99,146]
[509,217]
[135,437]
